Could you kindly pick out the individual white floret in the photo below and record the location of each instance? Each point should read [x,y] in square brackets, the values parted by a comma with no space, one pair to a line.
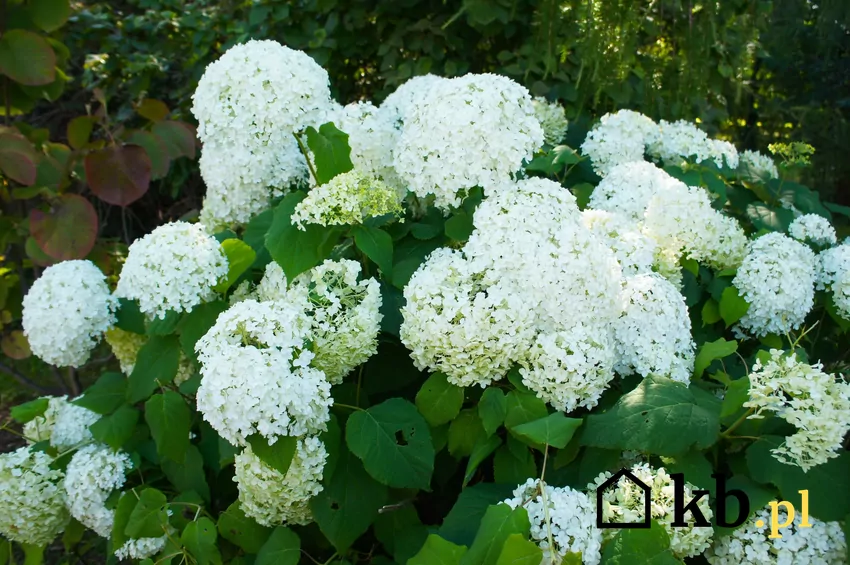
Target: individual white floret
[66,311]
[834,274]
[93,473]
[618,138]
[552,118]
[813,228]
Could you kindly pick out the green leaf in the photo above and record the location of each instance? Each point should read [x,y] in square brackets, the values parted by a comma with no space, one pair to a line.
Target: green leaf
[660,416]
[492,408]
[156,365]
[732,306]
[199,538]
[465,432]
[170,421]
[772,219]
[510,469]
[33,554]
[115,429]
[126,505]
[555,429]
[737,393]
[640,547]
[130,317]
[438,400]
[523,407]
[499,522]
[189,475]
[519,551]
[23,413]
[105,395]
[401,532]
[240,257]
[197,323]
[459,227]
[349,503]
[242,531]
[26,58]
[710,312]
[480,451]
[165,325]
[149,518]
[331,152]
[294,249]
[710,351]
[282,548]
[49,14]
[278,456]
[438,551]
[394,442]
[377,245]
[461,524]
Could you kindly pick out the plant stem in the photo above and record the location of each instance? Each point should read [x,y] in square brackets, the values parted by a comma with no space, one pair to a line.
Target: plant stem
[737,423]
[306,157]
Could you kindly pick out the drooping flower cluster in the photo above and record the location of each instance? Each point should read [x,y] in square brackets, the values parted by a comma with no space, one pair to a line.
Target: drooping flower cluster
[565,516]
[175,267]
[813,228]
[552,118]
[624,503]
[66,312]
[834,274]
[823,543]
[816,403]
[618,138]
[33,509]
[249,104]
[93,473]
[272,498]
[757,164]
[777,279]
[675,141]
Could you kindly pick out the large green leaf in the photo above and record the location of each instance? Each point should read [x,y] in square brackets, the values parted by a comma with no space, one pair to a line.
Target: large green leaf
[242,531]
[23,413]
[199,538]
[732,306]
[115,429]
[465,432]
[555,429]
[188,476]
[497,525]
[278,456]
[25,57]
[331,152]
[156,365]
[240,257]
[394,442]
[169,420]
[197,323]
[640,547]
[401,532]
[105,395]
[711,350]
[149,517]
[438,400]
[519,551]
[660,416]
[377,245]
[492,408]
[482,449]
[129,317]
[438,551]
[461,524]
[282,548]
[49,14]
[126,505]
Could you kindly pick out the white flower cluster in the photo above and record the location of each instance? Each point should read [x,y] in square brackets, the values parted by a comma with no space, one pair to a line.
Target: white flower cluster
[66,425]
[66,311]
[552,118]
[653,336]
[271,498]
[256,375]
[624,503]
[407,96]
[757,164]
[32,501]
[249,104]
[564,516]
[634,250]
[618,138]
[463,132]
[821,544]
[816,403]
[813,228]
[675,141]
[141,548]
[777,279]
[372,136]
[834,274]
[348,198]
[93,473]
[175,267]
[628,187]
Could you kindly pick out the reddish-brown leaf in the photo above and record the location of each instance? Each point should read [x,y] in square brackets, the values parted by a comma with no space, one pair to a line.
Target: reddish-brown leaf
[35,253]
[68,230]
[18,167]
[156,149]
[119,175]
[179,137]
[154,110]
[26,58]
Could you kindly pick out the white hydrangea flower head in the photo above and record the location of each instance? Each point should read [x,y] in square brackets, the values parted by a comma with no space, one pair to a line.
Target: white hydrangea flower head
[816,403]
[813,228]
[834,274]
[674,142]
[93,473]
[464,132]
[175,267]
[66,311]
[653,336]
[141,548]
[628,187]
[456,324]
[777,279]
[272,498]
[32,501]
[722,150]
[618,138]
[407,96]
[347,199]
[624,503]
[552,118]
[757,163]
[71,426]
[634,250]
[256,375]
[567,515]
[821,544]
[372,136]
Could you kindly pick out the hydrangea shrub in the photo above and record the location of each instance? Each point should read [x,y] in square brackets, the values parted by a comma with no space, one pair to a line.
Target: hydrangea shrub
[427,332]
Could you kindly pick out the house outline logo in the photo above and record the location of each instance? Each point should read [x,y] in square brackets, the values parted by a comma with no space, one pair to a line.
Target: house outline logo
[647,505]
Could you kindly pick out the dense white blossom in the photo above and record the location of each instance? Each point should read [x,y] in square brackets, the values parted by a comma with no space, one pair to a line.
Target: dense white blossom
[66,311]
[272,498]
[256,375]
[348,198]
[653,336]
[813,228]
[628,187]
[565,516]
[634,250]
[32,501]
[758,164]
[816,403]
[618,138]
[93,473]
[141,548]
[407,96]
[464,132]
[552,118]
[64,424]
[675,141]
[777,279]
[821,544]
[834,274]
[623,502]
[372,136]
[175,267]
